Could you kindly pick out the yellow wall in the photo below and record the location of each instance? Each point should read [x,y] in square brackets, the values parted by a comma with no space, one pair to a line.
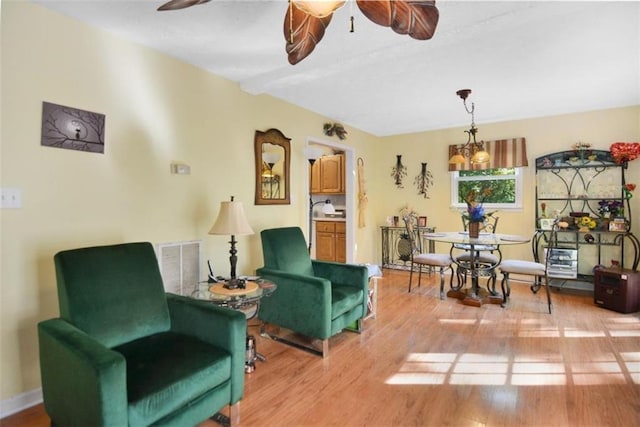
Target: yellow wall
[160,110]
[543,135]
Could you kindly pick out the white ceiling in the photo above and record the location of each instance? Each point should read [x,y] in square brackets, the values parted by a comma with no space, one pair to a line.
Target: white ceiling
[521,59]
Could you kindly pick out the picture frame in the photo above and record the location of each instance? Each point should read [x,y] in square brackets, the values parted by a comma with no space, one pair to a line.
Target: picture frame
[546,223]
[422,221]
[618,224]
[72,128]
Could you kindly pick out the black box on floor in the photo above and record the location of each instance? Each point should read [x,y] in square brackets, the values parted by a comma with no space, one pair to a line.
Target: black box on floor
[617,289]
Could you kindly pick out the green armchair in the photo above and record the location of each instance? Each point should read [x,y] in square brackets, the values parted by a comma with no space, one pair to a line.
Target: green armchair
[125,353]
[317,299]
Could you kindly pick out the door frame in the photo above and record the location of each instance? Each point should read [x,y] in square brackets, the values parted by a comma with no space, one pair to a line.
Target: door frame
[349,189]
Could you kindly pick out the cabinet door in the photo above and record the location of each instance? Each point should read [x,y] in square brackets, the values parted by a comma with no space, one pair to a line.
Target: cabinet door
[341,248]
[315,177]
[332,174]
[325,246]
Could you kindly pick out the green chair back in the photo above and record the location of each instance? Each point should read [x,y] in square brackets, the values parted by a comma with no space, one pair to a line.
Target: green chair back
[286,249]
[113,293]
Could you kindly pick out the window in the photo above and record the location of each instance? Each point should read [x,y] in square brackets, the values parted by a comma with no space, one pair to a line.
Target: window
[505,184]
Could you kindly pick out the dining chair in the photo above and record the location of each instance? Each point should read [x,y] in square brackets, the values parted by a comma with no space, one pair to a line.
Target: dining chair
[530,268]
[483,258]
[422,259]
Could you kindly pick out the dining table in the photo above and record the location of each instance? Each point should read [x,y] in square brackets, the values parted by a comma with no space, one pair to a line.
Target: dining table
[474,263]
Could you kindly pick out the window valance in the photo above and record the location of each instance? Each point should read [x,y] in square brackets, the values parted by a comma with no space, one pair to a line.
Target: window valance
[505,153]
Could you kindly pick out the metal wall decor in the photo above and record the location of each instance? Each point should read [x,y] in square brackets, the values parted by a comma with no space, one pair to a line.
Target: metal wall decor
[423,181]
[398,172]
[71,128]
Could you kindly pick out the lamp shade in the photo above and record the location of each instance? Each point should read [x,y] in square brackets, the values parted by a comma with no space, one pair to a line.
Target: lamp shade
[231,220]
[457,159]
[328,208]
[270,158]
[312,153]
[480,157]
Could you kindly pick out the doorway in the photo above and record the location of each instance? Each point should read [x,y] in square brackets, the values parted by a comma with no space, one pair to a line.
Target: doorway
[350,182]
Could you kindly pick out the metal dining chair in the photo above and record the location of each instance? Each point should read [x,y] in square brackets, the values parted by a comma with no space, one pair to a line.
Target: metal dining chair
[421,259]
[530,268]
[484,259]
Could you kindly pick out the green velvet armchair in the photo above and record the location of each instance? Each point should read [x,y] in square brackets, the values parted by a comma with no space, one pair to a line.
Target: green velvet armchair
[317,299]
[125,353]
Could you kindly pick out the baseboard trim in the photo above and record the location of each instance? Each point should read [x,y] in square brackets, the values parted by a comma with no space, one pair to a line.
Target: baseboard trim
[22,401]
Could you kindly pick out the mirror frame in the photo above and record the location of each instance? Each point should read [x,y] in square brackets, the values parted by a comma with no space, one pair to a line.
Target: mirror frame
[275,137]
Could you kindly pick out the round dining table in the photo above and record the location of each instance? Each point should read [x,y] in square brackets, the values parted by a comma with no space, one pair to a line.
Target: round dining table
[473,247]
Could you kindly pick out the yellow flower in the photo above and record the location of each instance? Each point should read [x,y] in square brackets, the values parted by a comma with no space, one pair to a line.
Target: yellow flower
[588,222]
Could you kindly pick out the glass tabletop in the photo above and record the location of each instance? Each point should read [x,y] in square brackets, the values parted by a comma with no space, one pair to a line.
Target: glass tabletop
[255,289]
[483,239]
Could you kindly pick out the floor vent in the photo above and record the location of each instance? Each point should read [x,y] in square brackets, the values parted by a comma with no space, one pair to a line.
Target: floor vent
[180,265]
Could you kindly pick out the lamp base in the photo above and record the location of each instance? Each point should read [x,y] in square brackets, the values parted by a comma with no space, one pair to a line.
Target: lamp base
[235,283]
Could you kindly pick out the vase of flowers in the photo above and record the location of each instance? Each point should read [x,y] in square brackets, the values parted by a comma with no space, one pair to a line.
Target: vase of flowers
[475,214]
[582,149]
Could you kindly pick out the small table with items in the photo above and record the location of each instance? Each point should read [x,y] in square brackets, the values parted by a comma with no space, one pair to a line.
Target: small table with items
[484,242]
[245,299]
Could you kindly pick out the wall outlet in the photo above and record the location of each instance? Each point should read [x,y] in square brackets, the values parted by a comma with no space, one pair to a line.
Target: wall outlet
[11,198]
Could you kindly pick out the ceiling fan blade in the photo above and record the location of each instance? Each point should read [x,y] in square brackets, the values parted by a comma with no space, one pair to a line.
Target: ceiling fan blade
[418,19]
[180,4]
[302,33]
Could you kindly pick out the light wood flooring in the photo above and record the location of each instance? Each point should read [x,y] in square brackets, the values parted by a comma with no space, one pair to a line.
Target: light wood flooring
[423,361]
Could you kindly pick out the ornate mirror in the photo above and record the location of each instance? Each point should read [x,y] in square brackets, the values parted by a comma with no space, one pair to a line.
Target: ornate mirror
[272,154]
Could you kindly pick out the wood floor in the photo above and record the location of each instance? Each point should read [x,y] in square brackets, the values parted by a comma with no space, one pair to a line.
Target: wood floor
[423,361]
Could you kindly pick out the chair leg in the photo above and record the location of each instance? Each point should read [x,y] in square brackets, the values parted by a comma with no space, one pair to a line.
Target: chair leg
[234,414]
[506,292]
[420,266]
[546,286]
[442,283]
[410,276]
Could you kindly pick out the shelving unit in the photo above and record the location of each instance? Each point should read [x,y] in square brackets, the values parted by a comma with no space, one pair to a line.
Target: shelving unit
[573,184]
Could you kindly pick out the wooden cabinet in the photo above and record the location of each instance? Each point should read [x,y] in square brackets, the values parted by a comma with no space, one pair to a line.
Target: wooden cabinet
[327,175]
[331,243]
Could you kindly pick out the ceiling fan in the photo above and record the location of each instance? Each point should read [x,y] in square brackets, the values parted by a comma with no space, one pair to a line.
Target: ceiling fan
[305,21]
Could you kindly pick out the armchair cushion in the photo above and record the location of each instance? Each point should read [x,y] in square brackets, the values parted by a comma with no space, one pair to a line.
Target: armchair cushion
[167,370]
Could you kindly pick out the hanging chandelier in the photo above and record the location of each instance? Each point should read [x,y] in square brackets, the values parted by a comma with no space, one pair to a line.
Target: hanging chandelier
[472,149]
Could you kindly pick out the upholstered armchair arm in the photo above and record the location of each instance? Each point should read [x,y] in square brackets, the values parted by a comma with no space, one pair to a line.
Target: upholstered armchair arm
[222,327]
[301,303]
[83,382]
[344,274]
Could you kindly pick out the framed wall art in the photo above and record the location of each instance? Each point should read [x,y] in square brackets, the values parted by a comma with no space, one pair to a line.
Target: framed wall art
[72,128]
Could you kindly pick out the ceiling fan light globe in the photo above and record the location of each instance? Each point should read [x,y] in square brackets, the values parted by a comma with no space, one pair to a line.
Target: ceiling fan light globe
[318,8]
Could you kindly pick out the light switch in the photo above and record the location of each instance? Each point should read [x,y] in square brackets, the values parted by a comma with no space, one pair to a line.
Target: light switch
[11,198]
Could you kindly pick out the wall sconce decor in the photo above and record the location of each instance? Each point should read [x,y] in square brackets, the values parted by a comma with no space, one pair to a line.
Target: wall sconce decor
[398,172]
[423,181]
[330,129]
[472,149]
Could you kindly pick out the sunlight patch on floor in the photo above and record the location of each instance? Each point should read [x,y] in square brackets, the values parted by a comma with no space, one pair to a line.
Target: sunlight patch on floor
[521,370]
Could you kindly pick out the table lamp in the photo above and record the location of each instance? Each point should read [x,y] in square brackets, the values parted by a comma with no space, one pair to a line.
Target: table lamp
[232,222]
